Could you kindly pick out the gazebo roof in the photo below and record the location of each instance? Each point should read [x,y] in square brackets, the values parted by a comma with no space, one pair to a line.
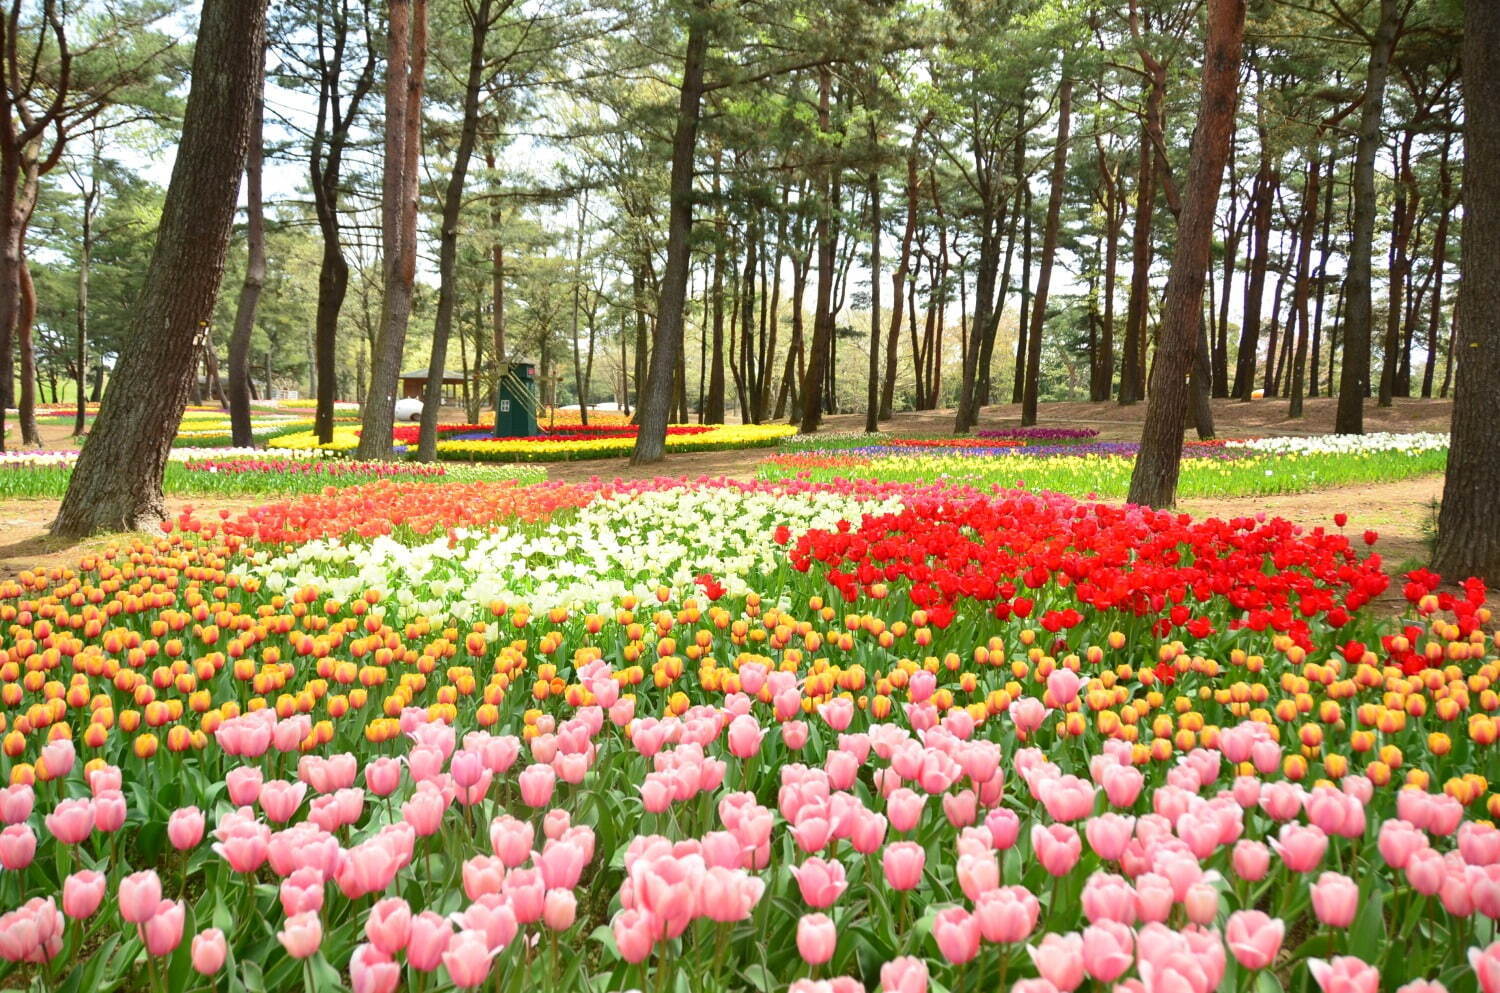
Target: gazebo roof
[449,376]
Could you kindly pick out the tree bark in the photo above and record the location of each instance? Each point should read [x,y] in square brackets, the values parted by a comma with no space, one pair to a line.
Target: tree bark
[1132,382]
[1297,390]
[1354,380]
[1154,480]
[117,482]
[1049,249]
[1439,260]
[823,234]
[872,391]
[405,72]
[255,280]
[898,279]
[1263,193]
[480,20]
[25,337]
[655,403]
[1468,542]
[85,265]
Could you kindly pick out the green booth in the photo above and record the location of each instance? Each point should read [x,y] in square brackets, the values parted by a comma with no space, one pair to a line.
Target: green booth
[516,400]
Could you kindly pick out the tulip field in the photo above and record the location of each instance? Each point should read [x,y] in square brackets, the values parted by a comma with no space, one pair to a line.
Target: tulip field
[431,732]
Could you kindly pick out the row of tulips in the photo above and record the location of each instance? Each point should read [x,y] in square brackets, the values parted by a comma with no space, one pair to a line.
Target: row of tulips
[850,770]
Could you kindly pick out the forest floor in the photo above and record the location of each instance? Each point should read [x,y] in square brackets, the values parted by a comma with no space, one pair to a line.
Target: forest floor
[1401,512]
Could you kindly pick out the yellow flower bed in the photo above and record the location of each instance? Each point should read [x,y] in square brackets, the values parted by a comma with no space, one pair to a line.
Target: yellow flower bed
[345,439]
[721,437]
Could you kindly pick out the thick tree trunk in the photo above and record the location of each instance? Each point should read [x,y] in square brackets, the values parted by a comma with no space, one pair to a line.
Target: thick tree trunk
[1354,382]
[25,326]
[255,280]
[1049,249]
[1132,382]
[1018,378]
[116,483]
[1468,542]
[1231,258]
[480,19]
[898,280]
[817,364]
[872,391]
[656,401]
[405,73]
[1154,481]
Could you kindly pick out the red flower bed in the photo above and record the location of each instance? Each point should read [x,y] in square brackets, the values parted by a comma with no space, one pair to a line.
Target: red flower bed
[1022,553]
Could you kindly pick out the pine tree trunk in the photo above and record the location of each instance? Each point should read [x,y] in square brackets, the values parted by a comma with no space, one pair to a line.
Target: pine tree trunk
[1324,249]
[1049,249]
[1439,260]
[872,391]
[898,280]
[656,400]
[25,328]
[480,19]
[255,280]
[1468,542]
[1354,381]
[405,72]
[85,265]
[1300,287]
[1132,383]
[1154,480]
[117,482]
[817,365]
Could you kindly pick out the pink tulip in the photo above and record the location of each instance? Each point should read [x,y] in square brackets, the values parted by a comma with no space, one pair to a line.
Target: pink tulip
[820,881]
[1007,915]
[1107,897]
[511,840]
[1300,847]
[1122,785]
[905,975]
[244,784]
[537,783]
[301,935]
[794,734]
[1486,966]
[467,959]
[961,808]
[1062,687]
[1004,826]
[1422,986]
[162,931]
[1057,847]
[17,846]
[978,874]
[185,828]
[82,893]
[1251,860]
[1067,798]
[744,736]
[1108,834]
[1335,899]
[1153,897]
[1201,903]
[383,775]
[527,892]
[1254,938]
[957,934]
[302,892]
[1059,959]
[140,896]
[16,803]
[71,821]
[110,810]
[389,925]
[209,950]
[559,910]
[632,934]
[279,799]
[1347,974]
[904,809]
[424,811]
[1399,841]
[373,971]
[430,935]
[1108,950]
[562,863]
[1425,871]
[903,862]
[816,938]
[482,874]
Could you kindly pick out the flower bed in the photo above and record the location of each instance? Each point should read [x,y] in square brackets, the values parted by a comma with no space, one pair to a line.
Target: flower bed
[1102,469]
[475,443]
[733,736]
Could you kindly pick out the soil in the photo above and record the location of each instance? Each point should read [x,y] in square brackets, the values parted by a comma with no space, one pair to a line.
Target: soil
[1400,512]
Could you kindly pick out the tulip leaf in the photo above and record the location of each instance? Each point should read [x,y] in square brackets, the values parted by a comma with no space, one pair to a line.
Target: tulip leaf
[1367,934]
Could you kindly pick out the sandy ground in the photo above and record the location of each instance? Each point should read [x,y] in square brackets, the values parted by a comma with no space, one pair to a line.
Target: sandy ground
[1401,512]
